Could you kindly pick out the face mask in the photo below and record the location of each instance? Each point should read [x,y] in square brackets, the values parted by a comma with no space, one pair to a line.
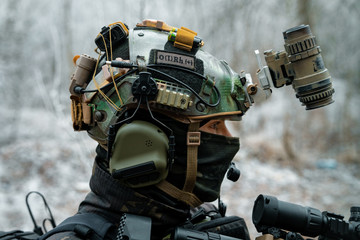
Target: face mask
[215,154]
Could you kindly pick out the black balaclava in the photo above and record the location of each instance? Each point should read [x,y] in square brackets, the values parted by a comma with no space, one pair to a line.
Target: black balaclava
[109,198]
[215,154]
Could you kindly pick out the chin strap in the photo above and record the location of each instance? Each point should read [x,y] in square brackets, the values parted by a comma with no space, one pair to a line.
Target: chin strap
[193,142]
[186,195]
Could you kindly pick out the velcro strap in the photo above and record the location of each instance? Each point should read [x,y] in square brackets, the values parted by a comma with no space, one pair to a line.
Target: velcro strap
[184,38]
[186,197]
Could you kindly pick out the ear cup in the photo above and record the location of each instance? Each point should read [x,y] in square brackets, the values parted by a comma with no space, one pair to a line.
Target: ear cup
[139,155]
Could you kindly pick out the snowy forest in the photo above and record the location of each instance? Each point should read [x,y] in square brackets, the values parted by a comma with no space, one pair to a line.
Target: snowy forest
[306,157]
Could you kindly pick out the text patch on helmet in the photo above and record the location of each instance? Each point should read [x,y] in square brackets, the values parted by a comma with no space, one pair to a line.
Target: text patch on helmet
[186,61]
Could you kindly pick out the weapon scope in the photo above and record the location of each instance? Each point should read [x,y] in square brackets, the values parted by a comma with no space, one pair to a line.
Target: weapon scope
[270,212]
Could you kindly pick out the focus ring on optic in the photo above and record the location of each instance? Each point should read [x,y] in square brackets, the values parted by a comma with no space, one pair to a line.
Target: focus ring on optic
[301,46]
[317,96]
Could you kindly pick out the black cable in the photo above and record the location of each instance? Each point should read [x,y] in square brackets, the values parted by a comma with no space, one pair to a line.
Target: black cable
[38,229]
[189,88]
[150,68]
[44,223]
[178,68]
[129,118]
[114,128]
[171,150]
[191,72]
[158,121]
[107,85]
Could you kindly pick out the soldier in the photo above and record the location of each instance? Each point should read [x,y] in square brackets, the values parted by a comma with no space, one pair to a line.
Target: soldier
[156,103]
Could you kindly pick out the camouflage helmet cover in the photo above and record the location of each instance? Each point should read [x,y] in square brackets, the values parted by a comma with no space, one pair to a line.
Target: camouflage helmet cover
[191,84]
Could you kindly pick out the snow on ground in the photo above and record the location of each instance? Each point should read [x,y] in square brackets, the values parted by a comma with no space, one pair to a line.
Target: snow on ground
[47,156]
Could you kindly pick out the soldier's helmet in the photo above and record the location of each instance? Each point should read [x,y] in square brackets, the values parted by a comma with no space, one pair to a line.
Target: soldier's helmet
[144,99]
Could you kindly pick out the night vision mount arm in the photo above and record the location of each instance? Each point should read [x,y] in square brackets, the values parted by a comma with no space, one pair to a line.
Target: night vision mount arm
[300,65]
[254,93]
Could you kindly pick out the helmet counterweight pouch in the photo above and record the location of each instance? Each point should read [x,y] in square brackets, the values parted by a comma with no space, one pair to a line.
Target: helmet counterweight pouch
[139,156]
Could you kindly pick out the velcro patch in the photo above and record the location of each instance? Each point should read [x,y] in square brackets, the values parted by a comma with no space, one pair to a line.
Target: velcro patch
[177,59]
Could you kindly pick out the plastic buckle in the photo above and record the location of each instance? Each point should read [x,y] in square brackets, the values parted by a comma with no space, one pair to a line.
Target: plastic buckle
[193,138]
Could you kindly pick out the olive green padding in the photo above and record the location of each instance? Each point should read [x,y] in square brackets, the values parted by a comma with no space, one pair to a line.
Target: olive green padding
[139,156]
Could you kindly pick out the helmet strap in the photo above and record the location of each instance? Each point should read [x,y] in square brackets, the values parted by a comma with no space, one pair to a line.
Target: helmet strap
[186,195]
[193,142]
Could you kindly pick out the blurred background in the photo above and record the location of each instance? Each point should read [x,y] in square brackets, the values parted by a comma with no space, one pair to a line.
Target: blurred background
[306,157]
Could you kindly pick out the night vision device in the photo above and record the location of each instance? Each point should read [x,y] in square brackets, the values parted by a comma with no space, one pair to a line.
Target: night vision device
[300,65]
